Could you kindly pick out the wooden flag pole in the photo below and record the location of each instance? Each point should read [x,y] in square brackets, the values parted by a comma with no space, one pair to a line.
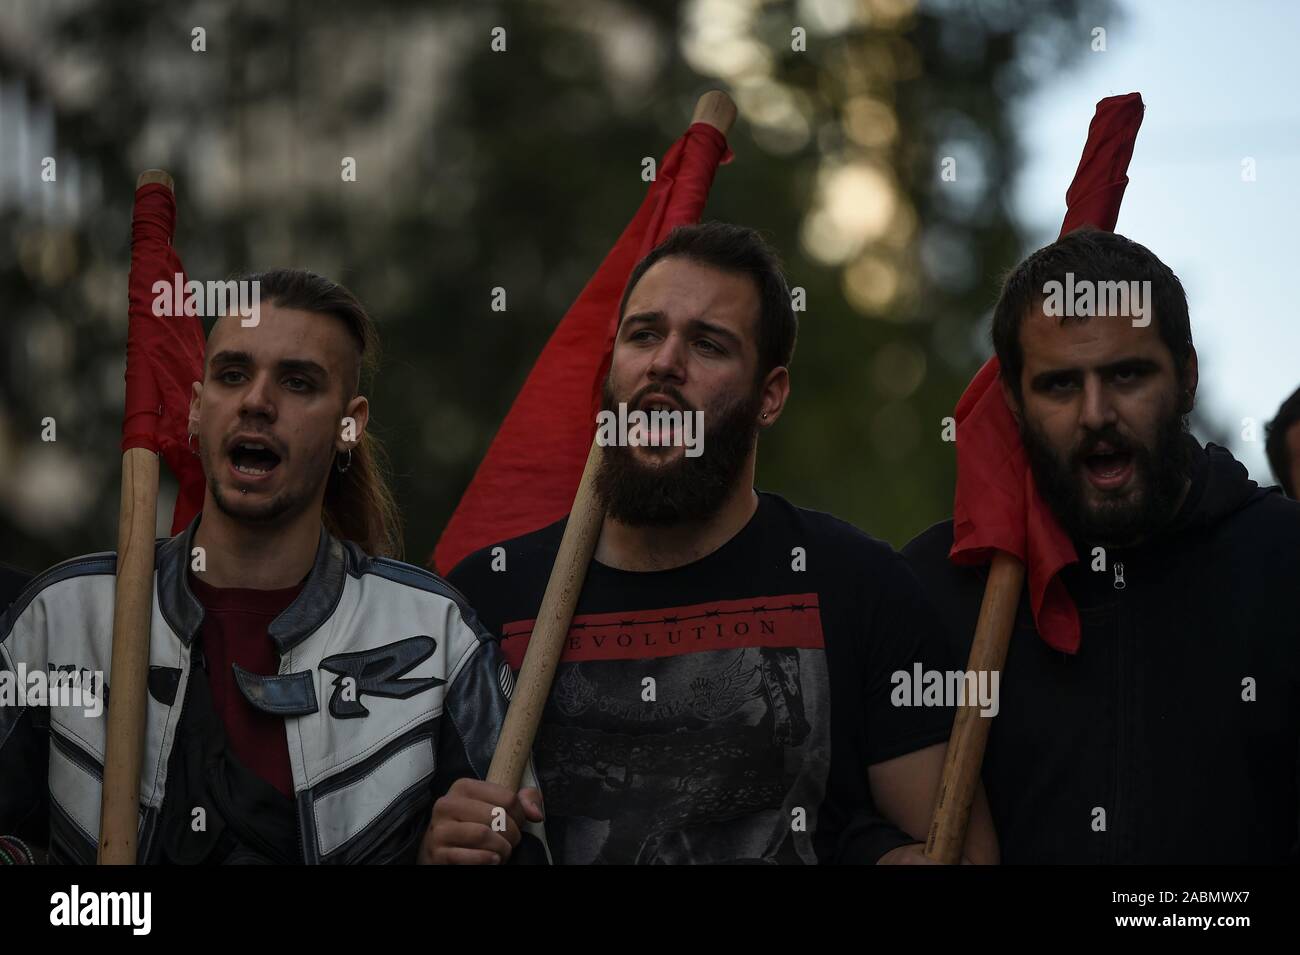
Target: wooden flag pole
[581,533]
[970,730]
[533,686]
[119,811]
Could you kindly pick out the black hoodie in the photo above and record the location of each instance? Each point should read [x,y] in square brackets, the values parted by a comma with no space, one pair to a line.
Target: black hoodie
[1173,735]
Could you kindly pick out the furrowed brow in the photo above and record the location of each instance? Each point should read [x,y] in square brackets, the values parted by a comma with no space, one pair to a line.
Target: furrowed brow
[717,331]
[643,318]
[1045,378]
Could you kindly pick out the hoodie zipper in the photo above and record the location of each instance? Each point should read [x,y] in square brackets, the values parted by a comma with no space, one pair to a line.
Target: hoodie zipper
[1121,709]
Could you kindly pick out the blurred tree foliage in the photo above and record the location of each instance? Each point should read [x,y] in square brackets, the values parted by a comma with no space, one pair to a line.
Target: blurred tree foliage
[478,169]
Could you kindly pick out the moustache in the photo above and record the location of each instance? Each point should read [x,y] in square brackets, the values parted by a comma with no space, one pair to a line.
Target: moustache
[666,391]
[1109,436]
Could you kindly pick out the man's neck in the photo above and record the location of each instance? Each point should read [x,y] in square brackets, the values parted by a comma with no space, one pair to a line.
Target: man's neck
[663,548]
[253,556]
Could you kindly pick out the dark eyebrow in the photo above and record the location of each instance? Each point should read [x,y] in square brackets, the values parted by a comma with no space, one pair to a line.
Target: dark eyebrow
[695,324]
[231,358]
[717,331]
[644,318]
[1045,378]
[303,365]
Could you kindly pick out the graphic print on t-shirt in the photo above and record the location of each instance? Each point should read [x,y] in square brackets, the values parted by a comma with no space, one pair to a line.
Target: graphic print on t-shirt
[722,758]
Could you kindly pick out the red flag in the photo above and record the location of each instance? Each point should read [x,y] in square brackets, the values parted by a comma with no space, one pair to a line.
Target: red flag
[997,506]
[531,471]
[164,354]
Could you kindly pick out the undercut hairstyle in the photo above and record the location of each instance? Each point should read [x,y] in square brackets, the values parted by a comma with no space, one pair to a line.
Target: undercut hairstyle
[1275,446]
[741,251]
[359,504]
[1095,256]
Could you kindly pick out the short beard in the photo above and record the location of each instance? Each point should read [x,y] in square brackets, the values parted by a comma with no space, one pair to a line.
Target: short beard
[1160,472]
[283,506]
[689,489]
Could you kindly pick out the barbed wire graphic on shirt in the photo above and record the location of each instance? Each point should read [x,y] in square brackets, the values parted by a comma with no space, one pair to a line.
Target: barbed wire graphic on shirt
[669,619]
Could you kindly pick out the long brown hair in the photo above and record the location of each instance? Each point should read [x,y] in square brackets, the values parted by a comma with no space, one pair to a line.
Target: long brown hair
[359,504]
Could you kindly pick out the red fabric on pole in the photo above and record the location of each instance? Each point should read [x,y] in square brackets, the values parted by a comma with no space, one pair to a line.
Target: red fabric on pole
[164,354]
[996,505]
[531,470]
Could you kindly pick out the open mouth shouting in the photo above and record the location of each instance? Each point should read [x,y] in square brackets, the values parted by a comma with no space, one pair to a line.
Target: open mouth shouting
[1108,467]
[252,458]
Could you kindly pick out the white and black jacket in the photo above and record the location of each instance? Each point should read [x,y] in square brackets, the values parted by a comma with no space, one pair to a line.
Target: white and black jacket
[425,702]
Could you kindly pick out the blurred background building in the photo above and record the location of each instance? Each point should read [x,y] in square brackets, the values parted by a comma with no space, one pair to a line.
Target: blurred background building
[478,168]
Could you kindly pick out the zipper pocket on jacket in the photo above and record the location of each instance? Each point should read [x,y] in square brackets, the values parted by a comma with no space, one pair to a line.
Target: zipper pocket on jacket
[64,828]
[397,812]
[76,755]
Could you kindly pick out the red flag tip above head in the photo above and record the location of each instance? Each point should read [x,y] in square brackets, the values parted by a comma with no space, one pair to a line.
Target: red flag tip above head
[164,353]
[997,506]
[529,475]
[716,109]
[1094,196]
[160,176]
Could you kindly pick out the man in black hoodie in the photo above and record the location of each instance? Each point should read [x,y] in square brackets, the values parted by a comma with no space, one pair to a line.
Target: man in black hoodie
[1173,734]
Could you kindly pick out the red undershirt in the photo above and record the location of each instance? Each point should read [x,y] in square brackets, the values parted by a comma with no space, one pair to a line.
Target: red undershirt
[234,631]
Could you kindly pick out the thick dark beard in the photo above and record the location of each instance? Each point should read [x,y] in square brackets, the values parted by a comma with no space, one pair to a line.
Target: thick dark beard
[1161,472]
[690,489]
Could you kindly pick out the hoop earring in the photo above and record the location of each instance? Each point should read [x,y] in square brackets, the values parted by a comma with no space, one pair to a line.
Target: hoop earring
[346,466]
[189,443]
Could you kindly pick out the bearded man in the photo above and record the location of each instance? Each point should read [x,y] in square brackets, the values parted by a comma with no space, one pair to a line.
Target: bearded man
[725,690]
[1172,734]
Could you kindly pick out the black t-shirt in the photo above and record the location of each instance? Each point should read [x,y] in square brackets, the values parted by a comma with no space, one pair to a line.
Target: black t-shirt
[726,710]
[246,819]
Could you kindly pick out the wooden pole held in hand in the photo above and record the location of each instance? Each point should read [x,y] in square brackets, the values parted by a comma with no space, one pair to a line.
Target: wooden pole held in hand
[970,730]
[547,642]
[119,811]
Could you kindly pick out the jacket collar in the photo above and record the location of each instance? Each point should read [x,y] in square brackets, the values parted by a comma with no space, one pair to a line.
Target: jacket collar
[311,608]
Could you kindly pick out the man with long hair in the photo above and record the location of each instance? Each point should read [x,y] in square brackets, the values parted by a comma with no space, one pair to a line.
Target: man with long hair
[309,695]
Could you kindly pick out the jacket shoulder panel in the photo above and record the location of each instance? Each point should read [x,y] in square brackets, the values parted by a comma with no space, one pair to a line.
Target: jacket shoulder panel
[89,565]
[382,665]
[420,579]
